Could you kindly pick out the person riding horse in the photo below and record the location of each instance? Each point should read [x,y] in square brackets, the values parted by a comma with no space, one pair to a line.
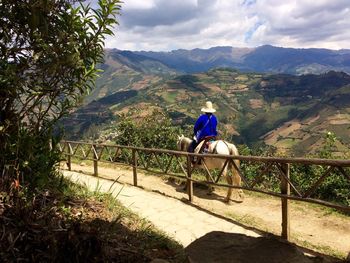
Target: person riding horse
[204,131]
[205,126]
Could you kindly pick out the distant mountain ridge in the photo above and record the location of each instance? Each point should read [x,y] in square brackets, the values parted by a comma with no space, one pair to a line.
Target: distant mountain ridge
[261,59]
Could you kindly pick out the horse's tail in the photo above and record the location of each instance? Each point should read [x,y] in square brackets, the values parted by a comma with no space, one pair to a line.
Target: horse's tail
[233,151]
[234,168]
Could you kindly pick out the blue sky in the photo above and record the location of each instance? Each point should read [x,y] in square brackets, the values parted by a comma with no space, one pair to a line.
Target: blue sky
[163,25]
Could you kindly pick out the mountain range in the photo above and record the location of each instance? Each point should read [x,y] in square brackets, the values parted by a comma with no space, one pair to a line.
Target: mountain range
[291,112]
[261,59]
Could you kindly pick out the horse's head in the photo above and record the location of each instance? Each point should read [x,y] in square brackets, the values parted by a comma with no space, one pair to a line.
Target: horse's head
[179,142]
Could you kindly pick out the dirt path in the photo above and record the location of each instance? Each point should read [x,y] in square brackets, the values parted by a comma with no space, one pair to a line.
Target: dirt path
[311,226]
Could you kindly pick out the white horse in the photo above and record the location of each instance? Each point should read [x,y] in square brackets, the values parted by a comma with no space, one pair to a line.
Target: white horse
[217,147]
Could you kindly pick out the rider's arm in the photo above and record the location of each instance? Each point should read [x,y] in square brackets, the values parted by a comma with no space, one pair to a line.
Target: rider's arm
[215,123]
[198,125]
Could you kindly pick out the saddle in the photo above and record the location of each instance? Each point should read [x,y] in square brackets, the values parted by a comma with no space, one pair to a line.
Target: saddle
[203,147]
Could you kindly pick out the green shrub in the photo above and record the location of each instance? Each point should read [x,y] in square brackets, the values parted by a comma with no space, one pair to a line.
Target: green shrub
[152,131]
[335,187]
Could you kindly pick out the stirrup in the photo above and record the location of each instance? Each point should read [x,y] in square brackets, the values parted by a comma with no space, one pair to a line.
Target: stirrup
[196,160]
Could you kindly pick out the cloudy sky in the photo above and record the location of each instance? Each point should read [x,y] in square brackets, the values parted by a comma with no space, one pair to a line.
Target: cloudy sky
[163,25]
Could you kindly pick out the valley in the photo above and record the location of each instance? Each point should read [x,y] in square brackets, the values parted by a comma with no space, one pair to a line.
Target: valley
[291,113]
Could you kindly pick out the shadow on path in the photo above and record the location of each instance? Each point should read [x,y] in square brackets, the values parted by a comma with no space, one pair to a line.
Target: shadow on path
[224,247]
[200,190]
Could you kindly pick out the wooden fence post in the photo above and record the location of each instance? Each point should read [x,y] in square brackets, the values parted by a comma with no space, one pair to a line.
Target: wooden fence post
[95,160]
[285,189]
[69,157]
[134,166]
[189,182]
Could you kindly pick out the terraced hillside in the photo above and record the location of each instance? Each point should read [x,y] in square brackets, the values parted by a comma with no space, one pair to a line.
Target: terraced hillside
[292,113]
[124,70]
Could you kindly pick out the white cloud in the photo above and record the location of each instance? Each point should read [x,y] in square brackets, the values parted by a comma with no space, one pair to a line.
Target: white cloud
[303,23]
[166,25]
[138,4]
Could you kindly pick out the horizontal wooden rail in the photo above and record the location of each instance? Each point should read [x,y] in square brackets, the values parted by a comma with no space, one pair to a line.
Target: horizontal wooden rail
[296,160]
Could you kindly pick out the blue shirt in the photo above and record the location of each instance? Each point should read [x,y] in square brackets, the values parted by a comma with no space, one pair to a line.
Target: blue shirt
[205,126]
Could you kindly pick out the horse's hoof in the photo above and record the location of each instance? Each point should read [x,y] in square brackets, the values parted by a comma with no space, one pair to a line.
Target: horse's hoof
[228,202]
[241,197]
[211,189]
[171,180]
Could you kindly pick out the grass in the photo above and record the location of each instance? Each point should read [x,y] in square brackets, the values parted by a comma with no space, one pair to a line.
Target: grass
[170,96]
[323,249]
[286,143]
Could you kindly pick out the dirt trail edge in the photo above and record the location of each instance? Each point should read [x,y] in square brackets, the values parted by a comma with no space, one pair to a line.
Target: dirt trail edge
[319,228]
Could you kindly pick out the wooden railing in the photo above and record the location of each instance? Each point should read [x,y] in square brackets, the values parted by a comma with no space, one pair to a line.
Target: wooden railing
[178,164]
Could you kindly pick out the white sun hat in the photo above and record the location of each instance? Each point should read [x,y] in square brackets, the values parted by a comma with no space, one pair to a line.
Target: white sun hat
[208,107]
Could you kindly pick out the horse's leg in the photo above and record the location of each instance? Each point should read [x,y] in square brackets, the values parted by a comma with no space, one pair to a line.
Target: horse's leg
[236,178]
[210,188]
[185,186]
[229,190]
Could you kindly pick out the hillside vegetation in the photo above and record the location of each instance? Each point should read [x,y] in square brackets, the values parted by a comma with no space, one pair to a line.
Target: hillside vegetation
[291,113]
